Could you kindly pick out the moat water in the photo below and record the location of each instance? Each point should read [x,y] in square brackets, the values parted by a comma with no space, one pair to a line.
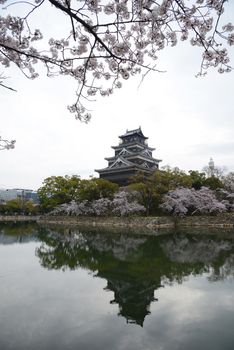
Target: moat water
[83,289]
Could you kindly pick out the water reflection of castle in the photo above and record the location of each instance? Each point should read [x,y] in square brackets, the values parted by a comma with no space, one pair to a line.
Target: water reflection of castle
[132,293]
[133,298]
[136,266]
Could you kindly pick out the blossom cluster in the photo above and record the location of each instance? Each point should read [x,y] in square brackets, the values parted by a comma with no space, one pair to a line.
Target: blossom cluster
[122,204]
[5,144]
[110,41]
[182,201]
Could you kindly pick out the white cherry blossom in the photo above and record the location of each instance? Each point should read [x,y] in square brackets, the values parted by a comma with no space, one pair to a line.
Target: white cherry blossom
[182,201]
[111,41]
[5,144]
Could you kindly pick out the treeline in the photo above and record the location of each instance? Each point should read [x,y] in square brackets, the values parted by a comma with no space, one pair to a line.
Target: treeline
[170,191]
[19,206]
[175,192]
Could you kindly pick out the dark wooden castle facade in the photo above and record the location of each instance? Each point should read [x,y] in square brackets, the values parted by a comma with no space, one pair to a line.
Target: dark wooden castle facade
[132,155]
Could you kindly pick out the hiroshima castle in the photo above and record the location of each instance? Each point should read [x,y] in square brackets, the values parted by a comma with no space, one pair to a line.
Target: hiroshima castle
[132,155]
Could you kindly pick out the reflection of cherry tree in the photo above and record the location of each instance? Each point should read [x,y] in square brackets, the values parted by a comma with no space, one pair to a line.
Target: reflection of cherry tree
[167,257]
[225,271]
[135,266]
[107,42]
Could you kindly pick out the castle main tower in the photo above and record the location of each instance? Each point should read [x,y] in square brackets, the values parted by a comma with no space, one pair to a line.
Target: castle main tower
[131,156]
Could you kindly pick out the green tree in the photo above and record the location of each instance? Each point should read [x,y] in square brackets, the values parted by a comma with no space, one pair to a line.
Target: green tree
[94,189]
[152,188]
[213,183]
[19,206]
[201,179]
[198,179]
[30,208]
[14,206]
[57,190]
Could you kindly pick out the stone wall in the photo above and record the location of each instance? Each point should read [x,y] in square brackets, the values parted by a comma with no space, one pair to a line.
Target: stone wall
[18,218]
[224,220]
[219,221]
[111,221]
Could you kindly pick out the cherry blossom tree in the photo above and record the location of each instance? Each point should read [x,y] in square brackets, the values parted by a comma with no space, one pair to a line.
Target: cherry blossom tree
[182,201]
[151,188]
[122,204]
[228,182]
[226,193]
[230,199]
[110,41]
[227,199]
[101,206]
[227,196]
[177,201]
[73,208]
[205,201]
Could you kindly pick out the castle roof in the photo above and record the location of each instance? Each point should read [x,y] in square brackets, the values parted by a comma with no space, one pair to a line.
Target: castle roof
[133,132]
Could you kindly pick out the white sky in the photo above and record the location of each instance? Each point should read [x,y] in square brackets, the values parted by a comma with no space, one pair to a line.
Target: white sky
[187,119]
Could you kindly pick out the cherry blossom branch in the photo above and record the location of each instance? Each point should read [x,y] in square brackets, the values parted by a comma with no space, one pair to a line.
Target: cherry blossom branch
[81,21]
[111,41]
[5,144]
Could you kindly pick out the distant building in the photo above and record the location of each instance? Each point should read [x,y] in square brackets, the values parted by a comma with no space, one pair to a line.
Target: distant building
[131,156]
[24,194]
[211,168]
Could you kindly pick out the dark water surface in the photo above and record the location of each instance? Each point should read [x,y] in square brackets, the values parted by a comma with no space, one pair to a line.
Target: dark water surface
[86,289]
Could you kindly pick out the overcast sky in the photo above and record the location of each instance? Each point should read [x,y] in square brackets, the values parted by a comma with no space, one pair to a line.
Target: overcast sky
[187,119]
